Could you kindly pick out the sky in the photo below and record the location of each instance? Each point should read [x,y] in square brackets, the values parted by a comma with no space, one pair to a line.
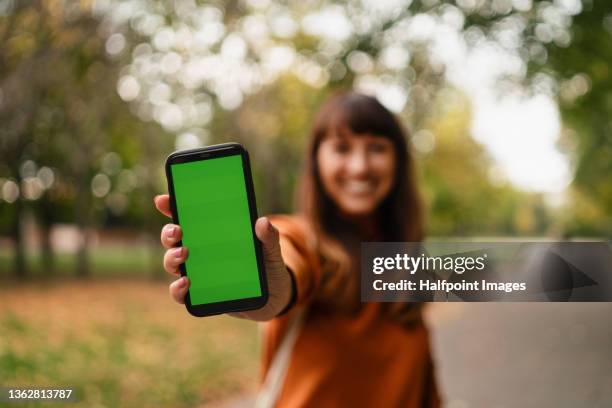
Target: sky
[518,128]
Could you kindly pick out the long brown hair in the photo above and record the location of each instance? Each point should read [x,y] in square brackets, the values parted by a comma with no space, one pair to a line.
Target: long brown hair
[400,215]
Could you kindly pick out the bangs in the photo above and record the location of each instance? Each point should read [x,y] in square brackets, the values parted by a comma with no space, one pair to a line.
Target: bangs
[362,114]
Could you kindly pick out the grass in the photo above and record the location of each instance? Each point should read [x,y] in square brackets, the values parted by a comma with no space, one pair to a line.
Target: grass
[121,342]
[108,260]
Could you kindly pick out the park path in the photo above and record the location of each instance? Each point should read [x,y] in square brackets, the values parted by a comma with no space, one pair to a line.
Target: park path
[507,355]
[523,354]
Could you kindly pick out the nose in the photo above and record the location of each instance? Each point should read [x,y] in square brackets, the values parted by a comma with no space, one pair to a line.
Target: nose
[358,164]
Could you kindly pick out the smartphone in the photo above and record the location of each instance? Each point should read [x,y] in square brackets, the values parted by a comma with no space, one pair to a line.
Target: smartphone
[212,199]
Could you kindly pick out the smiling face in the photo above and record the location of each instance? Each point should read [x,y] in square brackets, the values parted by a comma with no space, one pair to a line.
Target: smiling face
[357,171]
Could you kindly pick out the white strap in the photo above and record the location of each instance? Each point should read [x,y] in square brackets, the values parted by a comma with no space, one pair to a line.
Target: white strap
[275,377]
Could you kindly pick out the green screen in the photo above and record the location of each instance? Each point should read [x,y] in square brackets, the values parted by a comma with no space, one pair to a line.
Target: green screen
[213,211]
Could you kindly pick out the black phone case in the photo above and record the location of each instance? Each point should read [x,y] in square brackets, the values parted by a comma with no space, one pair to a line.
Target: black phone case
[211,152]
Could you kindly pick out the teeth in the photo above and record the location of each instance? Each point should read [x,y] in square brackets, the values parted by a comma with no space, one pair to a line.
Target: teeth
[358,187]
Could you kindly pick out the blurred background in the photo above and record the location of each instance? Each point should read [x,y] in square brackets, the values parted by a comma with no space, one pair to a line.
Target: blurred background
[509,107]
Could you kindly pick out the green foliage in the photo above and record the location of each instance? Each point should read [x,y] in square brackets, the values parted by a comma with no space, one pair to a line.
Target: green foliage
[60,108]
[585,98]
[463,196]
[273,124]
[72,114]
[61,115]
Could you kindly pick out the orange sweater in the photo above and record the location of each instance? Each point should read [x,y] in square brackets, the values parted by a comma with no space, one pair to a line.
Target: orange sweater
[361,360]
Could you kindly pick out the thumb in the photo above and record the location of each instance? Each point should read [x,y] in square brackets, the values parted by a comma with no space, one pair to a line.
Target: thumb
[269,237]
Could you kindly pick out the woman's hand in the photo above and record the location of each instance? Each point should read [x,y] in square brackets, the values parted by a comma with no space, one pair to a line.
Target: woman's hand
[279,282]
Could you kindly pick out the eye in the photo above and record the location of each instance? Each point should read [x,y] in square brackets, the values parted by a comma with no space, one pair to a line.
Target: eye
[341,147]
[379,146]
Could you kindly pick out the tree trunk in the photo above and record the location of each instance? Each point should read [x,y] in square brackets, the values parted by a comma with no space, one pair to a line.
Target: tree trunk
[46,221]
[82,261]
[46,250]
[19,264]
[82,210]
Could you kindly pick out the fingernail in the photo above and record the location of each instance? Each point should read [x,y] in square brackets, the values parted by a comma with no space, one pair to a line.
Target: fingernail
[270,226]
[182,282]
[177,252]
[171,232]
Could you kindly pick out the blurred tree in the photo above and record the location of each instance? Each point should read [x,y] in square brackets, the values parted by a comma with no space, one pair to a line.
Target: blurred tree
[465,195]
[273,124]
[565,46]
[65,120]
[91,92]
[582,69]
[21,52]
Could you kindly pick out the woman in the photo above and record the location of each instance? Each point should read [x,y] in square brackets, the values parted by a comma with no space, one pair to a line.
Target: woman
[358,185]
